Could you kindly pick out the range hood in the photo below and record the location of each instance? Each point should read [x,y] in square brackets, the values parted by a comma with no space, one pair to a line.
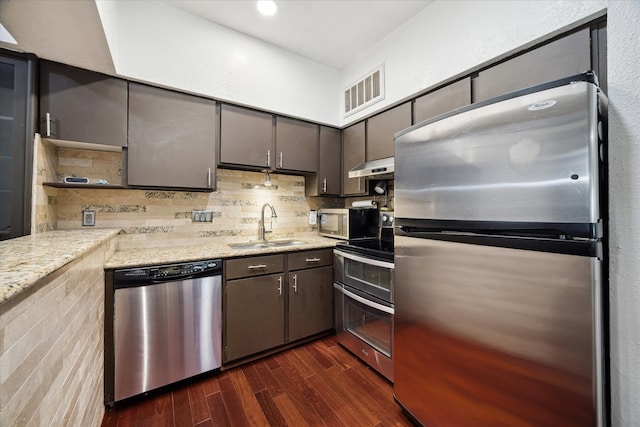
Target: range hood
[381,169]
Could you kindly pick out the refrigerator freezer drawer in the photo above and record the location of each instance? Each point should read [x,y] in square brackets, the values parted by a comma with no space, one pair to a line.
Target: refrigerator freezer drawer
[532,158]
[494,336]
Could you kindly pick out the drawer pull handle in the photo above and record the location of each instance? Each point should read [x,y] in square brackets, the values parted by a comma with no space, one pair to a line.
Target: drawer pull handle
[280,285]
[254,267]
[324,185]
[48,124]
[313,260]
[295,283]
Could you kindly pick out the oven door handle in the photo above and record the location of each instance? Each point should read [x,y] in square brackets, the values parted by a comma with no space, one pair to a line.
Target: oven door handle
[368,303]
[364,260]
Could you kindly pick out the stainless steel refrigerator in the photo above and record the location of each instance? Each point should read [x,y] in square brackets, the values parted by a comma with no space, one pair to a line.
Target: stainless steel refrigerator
[500,295]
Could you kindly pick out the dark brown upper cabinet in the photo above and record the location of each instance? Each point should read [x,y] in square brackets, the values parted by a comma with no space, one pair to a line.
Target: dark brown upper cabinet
[353,154]
[296,145]
[564,57]
[246,137]
[82,106]
[328,179]
[171,139]
[447,98]
[382,128]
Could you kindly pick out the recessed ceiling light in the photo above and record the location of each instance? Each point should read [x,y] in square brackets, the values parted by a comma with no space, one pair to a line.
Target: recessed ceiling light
[267,7]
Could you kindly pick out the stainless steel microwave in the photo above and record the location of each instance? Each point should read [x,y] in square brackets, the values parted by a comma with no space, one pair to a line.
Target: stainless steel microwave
[347,224]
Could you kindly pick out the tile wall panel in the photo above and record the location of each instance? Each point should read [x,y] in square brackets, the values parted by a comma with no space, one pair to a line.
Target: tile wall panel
[45,199]
[163,217]
[52,373]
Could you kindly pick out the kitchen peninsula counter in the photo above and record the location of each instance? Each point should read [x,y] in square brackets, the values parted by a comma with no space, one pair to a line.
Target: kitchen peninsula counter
[204,249]
[25,260]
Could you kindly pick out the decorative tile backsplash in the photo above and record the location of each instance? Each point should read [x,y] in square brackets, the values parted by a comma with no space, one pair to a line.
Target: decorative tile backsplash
[165,216]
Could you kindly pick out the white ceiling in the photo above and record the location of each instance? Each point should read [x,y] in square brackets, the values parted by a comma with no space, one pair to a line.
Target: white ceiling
[331,32]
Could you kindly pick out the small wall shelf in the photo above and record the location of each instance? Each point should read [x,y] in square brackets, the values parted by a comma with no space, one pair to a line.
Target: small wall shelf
[92,186]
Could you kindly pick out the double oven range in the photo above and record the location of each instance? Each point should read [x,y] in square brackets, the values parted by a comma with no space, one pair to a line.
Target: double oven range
[363,287]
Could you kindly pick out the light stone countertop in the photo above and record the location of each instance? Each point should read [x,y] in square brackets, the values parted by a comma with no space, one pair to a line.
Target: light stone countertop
[25,260]
[200,250]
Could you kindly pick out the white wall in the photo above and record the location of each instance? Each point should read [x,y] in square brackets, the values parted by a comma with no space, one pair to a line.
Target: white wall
[623,59]
[450,37]
[155,42]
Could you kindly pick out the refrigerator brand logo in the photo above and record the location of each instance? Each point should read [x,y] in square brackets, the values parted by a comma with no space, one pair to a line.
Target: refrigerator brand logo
[542,105]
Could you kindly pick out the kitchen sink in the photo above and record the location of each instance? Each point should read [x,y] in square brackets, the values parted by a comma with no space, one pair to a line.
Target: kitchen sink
[257,244]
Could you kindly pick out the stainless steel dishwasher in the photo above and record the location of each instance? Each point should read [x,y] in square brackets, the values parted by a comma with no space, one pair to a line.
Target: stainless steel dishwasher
[166,326]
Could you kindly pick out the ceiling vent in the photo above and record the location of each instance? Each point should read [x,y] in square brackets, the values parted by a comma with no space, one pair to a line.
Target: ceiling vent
[364,92]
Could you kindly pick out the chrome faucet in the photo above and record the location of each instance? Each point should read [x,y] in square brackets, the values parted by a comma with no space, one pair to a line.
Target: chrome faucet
[263,230]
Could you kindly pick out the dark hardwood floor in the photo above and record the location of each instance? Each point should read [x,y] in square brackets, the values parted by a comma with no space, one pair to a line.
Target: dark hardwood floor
[317,384]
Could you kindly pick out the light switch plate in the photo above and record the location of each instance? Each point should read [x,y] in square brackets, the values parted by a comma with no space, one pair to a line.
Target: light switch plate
[88,218]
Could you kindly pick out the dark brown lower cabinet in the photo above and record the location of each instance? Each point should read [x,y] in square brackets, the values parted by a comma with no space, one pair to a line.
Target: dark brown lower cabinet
[266,304]
[310,302]
[254,315]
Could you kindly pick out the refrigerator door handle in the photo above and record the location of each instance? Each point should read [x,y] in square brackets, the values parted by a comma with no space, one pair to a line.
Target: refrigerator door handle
[368,303]
[364,260]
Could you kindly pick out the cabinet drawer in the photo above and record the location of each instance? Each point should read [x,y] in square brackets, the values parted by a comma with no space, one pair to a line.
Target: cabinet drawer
[310,259]
[254,266]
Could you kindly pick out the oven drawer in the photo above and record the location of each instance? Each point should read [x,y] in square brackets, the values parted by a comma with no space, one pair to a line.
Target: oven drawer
[373,276]
[365,327]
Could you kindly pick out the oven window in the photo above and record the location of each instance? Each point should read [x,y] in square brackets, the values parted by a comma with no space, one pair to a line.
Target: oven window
[368,324]
[370,275]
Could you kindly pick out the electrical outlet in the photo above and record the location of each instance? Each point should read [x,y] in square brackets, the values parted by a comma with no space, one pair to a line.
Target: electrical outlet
[88,218]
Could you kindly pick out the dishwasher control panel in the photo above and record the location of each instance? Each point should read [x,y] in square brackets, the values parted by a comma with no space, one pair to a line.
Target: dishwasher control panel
[131,276]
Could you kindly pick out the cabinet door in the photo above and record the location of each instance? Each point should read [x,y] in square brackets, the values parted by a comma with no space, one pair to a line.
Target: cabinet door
[328,179]
[382,128]
[310,302]
[353,154]
[450,97]
[246,137]
[296,145]
[254,315]
[562,58]
[171,139]
[82,105]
